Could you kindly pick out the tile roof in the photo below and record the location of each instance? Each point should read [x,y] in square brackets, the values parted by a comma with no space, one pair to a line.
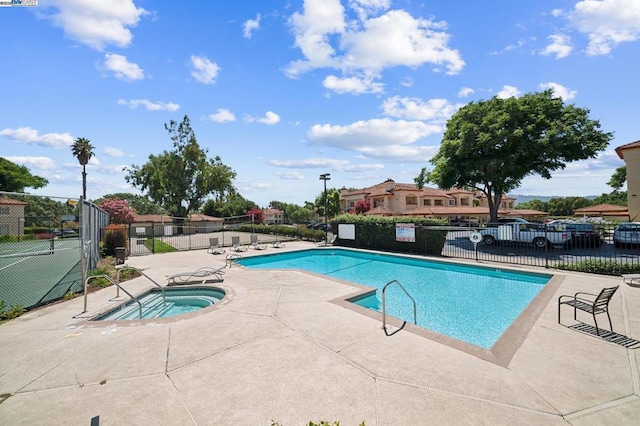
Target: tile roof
[632,145]
[602,208]
[12,202]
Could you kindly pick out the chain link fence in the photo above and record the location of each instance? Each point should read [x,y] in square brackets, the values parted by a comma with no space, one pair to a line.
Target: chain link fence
[42,243]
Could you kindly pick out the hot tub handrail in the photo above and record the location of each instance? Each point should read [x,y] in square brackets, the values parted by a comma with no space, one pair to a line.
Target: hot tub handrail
[112,282]
[120,268]
[384,310]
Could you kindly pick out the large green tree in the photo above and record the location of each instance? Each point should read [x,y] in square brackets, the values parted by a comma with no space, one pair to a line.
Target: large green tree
[229,205]
[618,178]
[83,151]
[15,178]
[492,145]
[179,180]
[333,202]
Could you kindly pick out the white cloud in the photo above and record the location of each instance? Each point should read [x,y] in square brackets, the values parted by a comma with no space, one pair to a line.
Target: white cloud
[122,68]
[292,175]
[606,23]
[465,91]
[250,26]
[508,92]
[29,135]
[560,46]
[325,163]
[96,23]
[378,138]
[270,118]
[222,115]
[150,106]
[438,110]
[110,151]
[559,90]
[204,71]
[353,85]
[41,163]
[367,45]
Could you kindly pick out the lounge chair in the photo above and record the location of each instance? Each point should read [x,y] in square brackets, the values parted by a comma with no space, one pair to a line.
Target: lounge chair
[593,304]
[631,279]
[326,243]
[235,243]
[257,245]
[277,244]
[199,276]
[214,247]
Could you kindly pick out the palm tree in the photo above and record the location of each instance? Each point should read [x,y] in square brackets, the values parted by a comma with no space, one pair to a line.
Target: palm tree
[83,151]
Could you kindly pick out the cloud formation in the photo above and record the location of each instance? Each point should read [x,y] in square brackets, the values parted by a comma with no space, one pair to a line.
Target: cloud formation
[560,46]
[149,106]
[250,26]
[559,90]
[41,163]
[204,71]
[222,115]
[29,135]
[121,68]
[96,23]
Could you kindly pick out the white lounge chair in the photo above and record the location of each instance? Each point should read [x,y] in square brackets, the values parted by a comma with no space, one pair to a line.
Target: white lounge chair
[325,243]
[277,244]
[235,243]
[631,279]
[199,276]
[257,245]
[215,247]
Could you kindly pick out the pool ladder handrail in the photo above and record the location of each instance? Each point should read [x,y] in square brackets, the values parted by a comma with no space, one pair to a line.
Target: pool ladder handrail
[231,259]
[123,267]
[116,283]
[384,308]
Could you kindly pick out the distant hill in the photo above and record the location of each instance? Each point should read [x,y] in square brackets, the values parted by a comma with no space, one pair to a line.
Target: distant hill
[526,198]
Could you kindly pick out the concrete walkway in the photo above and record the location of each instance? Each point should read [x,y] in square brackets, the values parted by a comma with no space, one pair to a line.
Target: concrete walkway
[277,350]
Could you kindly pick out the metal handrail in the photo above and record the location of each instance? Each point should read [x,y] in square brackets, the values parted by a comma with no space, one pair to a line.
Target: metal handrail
[231,258]
[120,268]
[112,282]
[384,308]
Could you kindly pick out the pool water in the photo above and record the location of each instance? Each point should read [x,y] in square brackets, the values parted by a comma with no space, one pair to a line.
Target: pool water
[470,303]
[178,301]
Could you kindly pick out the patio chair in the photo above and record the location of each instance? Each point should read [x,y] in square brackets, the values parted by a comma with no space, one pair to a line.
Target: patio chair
[326,243]
[592,303]
[199,276]
[215,247]
[236,246]
[257,245]
[631,279]
[277,244]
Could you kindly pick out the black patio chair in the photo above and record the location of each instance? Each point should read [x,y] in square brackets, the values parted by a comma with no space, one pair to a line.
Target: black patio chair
[593,304]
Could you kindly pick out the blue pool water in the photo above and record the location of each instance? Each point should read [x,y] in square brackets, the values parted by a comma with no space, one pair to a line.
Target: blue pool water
[470,303]
[177,301]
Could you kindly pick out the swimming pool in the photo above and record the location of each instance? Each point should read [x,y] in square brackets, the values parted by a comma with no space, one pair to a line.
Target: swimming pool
[178,301]
[473,304]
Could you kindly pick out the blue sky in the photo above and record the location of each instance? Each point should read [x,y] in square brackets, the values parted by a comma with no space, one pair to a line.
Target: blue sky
[286,90]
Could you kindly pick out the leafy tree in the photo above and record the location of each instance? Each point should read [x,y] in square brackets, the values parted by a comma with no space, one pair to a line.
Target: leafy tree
[139,203]
[333,202]
[231,204]
[617,198]
[422,178]
[564,206]
[44,211]
[302,214]
[492,145]
[83,151]
[536,204]
[119,210]
[179,180]
[618,178]
[15,178]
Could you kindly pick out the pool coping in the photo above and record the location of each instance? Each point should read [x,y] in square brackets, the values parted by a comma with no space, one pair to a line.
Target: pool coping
[500,353]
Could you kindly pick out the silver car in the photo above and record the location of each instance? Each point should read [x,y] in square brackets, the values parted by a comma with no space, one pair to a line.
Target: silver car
[627,233]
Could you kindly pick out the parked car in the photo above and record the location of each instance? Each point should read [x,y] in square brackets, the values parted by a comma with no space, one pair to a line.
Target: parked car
[582,234]
[627,234]
[505,220]
[524,233]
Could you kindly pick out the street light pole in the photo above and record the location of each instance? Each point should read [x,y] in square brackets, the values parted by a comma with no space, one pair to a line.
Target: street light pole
[325,177]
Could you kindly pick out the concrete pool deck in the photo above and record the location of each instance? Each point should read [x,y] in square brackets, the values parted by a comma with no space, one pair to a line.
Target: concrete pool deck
[279,351]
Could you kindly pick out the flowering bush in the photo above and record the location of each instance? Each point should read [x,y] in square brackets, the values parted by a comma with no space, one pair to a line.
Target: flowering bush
[362,206]
[118,209]
[257,215]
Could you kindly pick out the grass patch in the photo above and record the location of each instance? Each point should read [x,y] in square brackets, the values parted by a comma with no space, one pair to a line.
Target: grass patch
[158,246]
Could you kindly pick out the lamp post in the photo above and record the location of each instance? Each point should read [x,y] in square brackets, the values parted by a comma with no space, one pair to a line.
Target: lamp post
[325,177]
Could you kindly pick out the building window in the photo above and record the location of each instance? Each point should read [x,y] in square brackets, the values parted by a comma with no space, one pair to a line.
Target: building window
[438,203]
[412,200]
[427,202]
[4,229]
[352,204]
[378,202]
[464,201]
[4,209]
[502,205]
[452,202]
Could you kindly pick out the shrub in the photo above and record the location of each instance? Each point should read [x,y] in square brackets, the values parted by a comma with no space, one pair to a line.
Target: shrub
[601,266]
[13,312]
[118,209]
[113,238]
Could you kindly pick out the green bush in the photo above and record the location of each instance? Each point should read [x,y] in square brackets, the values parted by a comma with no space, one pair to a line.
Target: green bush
[284,231]
[13,312]
[601,266]
[379,233]
[112,239]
